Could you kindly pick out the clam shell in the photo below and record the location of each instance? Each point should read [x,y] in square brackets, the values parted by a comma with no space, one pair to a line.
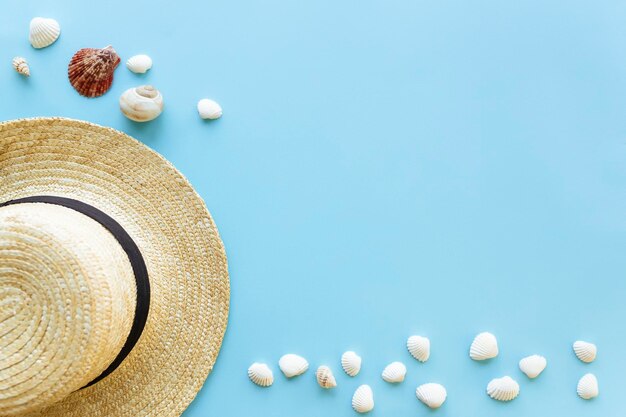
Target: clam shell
[533,365]
[419,347]
[139,64]
[588,387]
[351,363]
[325,377]
[141,104]
[431,394]
[394,372]
[503,389]
[585,351]
[261,374]
[209,109]
[91,70]
[43,32]
[293,365]
[21,66]
[484,346]
[363,399]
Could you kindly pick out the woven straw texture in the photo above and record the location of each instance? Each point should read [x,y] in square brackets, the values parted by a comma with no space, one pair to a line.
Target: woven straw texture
[178,239]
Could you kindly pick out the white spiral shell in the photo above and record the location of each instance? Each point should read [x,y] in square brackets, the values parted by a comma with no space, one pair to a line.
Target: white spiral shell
[261,374]
[21,66]
[585,351]
[394,372]
[533,365]
[351,363]
[139,64]
[503,389]
[431,394]
[293,365]
[484,346]
[325,377]
[419,347]
[43,32]
[141,104]
[587,387]
[363,399]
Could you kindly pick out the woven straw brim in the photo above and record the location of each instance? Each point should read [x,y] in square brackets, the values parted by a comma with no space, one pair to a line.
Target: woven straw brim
[177,237]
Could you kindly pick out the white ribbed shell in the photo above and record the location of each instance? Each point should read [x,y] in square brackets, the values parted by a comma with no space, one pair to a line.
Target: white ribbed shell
[503,389]
[431,394]
[261,374]
[139,64]
[394,372]
[588,387]
[585,351]
[351,363]
[484,346]
[325,377]
[43,32]
[293,365]
[419,347]
[363,399]
[533,365]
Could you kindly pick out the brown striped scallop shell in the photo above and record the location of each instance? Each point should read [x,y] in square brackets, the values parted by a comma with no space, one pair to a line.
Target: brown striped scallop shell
[91,70]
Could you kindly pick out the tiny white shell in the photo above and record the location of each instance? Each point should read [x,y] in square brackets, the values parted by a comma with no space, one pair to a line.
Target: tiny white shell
[209,109]
[261,374]
[533,365]
[325,377]
[43,32]
[419,347]
[585,351]
[484,346]
[293,365]
[394,372]
[588,387]
[363,399]
[503,389]
[431,394]
[139,64]
[21,66]
[351,363]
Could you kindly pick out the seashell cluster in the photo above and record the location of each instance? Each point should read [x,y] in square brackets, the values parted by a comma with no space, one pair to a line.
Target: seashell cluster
[484,346]
[21,66]
[431,394]
[363,399]
[585,351]
[43,32]
[351,363]
[139,64]
[419,347]
[261,374]
[587,387]
[292,365]
[533,365]
[325,377]
[209,109]
[503,389]
[91,70]
[394,372]
[141,104]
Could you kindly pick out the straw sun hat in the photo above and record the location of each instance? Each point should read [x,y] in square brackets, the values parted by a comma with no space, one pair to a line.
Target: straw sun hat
[114,285]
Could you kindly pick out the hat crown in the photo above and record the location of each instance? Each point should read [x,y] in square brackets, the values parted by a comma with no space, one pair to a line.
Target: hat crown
[67,300]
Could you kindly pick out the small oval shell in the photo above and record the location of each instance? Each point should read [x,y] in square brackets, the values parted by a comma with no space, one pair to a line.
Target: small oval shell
[21,66]
[419,347]
[209,109]
[484,346]
[431,394]
[91,70]
[585,351]
[293,365]
[394,372]
[363,399]
[325,377]
[533,365]
[43,32]
[261,374]
[503,389]
[139,64]
[351,363]
[141,104]
[588,387]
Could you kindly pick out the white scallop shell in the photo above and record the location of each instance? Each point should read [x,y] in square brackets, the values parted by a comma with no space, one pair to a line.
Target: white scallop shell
[588,387]
[43,32]
[394,372]
[209,109]
[533,365]
[503,389]
[363,399]
[585,351]
[293,365]
[261,374]
[431,394]
[484,346]
[325,377]
[419,347]
[141,104]
[139,64]
[351,363]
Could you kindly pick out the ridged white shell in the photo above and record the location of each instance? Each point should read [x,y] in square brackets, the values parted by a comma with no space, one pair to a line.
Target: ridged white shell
[503,389]
[261,374]
[588,387]
[325,377]
[363,399]
[351,363]
[394,372]
[585,351]
[431,394]
[141,104]
[293,365]
[139,64]
[533,365]
[484,346]
[419,347]
[43,32]
[209,109]
[21,66]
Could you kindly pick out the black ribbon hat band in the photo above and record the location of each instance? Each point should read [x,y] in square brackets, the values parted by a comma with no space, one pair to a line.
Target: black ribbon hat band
[136,261]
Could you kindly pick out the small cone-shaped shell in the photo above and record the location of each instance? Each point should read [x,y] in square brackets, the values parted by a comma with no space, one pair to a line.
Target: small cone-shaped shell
[351,363]
[585,351]
[139,64]
[261,374]
[394,372]
[325,377]
[91,70]
[484,346]
[21,66]
[588,387]
[503,389]
[419,347]
[43,32]
[533,365]
[141,104]
[293,365]
[431,394]
[363,399]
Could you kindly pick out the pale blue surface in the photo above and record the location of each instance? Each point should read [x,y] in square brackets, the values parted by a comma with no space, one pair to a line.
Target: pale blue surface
[383,169]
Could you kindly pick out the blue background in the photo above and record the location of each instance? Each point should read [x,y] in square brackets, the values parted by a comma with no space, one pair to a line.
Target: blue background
[382,169]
